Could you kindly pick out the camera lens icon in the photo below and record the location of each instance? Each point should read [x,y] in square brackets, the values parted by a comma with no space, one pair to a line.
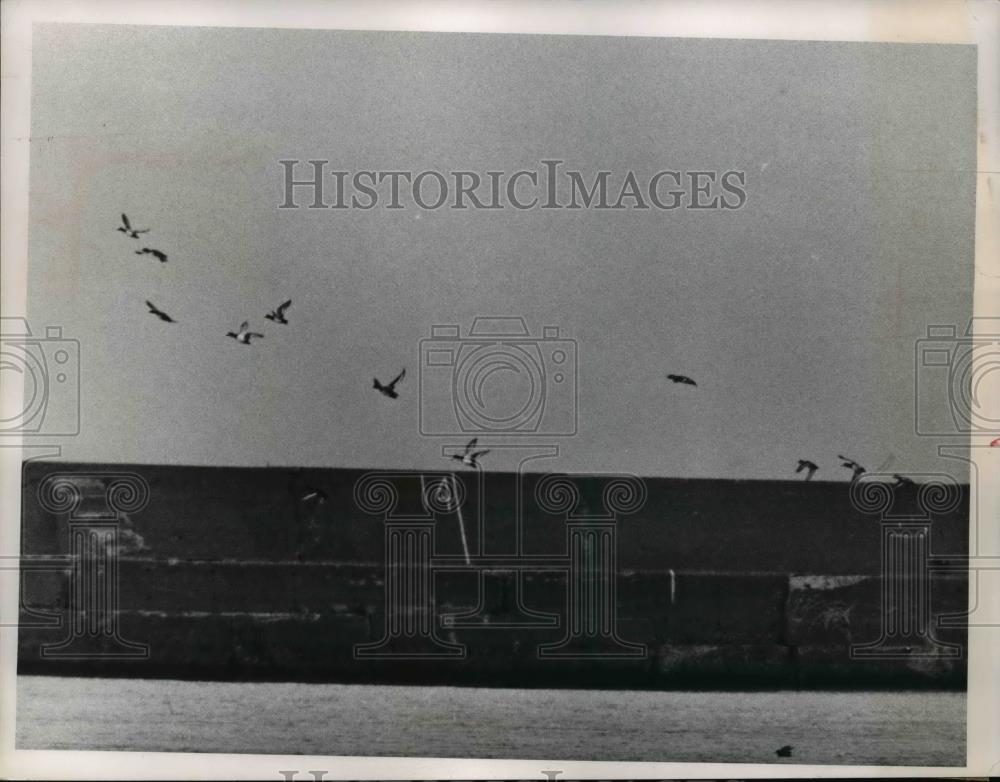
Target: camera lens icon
[47,370]
[975,378]
[499,388]
[27,368]
[958,379]
[498,379]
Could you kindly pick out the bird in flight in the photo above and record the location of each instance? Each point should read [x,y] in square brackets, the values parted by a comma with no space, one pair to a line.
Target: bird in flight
[315,495]
[127,229]
[160,256]
[469,457]
[682,379]
[154,310]
[278,315]
[811,467]
[785,751]
[244,336]
[389,389]
[852,465]
[902,480]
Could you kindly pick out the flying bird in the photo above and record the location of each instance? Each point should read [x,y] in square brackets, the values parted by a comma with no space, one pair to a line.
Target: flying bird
[278,315]
[160,256]
[902,480]
[389,389]
[244,336]
[469,457]
[682,379]
[154,310]
[853,466]
[805,464]
[315,495]
[127,229]
[785,751]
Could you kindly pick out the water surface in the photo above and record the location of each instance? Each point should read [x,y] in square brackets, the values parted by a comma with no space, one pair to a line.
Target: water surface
[877,728]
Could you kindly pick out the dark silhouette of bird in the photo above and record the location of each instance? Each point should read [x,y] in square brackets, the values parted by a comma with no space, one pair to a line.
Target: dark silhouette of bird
[389,389]
[127,229]
[902,480]
[853,466]
[160,256]
[805,464]
[278,315]
[243,336]
[785,751]
[315,495]
[469,457]
[154,310]
[682,379]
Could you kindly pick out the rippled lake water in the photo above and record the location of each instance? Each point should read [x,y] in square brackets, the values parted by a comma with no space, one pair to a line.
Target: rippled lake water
[877,728]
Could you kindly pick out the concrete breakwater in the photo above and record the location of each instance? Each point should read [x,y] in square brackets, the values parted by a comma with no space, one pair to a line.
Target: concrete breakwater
[290,574]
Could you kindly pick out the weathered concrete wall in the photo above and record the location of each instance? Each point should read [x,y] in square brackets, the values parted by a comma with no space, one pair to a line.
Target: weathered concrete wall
[236,577]
[303,622]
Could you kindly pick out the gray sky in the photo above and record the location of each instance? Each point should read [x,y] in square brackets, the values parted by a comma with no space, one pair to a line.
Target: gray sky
[797,315]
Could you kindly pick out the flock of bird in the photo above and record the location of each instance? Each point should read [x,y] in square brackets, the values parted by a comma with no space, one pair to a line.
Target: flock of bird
[243,335]
[856,469]
[469,458]
[810,467]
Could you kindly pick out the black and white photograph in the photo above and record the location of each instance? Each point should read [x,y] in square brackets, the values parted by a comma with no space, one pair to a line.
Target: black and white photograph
[425,389]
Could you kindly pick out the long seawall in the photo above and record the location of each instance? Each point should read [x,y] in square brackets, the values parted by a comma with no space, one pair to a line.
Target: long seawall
[488,579]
